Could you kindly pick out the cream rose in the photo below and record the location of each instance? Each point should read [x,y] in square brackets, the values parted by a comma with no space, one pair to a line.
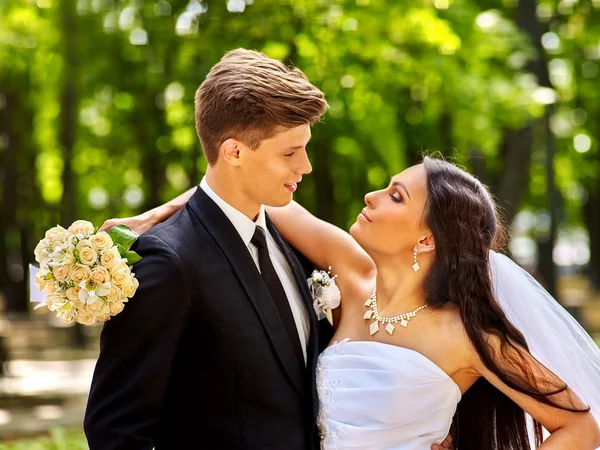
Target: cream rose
[62,272]
[116,308]
[97,308]
[114,294]
[129,286]
[56,234]
[80,273]
[110,258]
[120,273]
[88,256]
[40,278]
[85,318]
[101,241]
[73,294]
[81,227]
[100,275]
[50,288]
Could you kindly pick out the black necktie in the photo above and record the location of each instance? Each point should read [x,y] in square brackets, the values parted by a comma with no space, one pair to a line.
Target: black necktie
[273,283]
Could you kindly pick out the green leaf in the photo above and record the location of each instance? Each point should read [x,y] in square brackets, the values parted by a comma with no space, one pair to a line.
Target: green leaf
[131,256]
[49,276]
[123,235]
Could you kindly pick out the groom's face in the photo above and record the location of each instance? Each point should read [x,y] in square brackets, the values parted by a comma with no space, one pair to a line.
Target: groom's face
[272,173]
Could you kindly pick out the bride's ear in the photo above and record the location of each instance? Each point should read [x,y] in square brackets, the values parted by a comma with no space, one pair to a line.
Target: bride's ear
[426,244]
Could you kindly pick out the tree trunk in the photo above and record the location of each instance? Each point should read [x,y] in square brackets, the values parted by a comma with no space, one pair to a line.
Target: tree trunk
[592,221]
[528,21]
[517,146]
[9,197]
[68,111]
[324,195]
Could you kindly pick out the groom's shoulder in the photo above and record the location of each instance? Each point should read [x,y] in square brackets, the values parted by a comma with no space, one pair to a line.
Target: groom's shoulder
[177,233]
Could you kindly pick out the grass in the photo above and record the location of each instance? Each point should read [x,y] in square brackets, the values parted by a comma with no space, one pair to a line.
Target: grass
[58,439]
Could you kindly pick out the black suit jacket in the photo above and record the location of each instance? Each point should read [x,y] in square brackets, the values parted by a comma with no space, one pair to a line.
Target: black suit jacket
[199,358]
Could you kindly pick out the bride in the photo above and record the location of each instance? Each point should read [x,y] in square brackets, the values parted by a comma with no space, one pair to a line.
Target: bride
[424,330]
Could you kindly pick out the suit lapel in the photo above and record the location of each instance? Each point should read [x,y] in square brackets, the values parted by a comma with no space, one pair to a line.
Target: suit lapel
[299,277]
[312,350]
[240,260]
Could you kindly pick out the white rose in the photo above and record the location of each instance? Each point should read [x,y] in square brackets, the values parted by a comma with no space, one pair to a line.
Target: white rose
[81,227]
[103,318]
[85,318]
[116,308]
[69,255]
[67,316]
[41,251]
[100,275]
[114,294]
[62,272]
[101,241]
[80,273]
[120,273]
[110,258]
[56,234]
[54,302]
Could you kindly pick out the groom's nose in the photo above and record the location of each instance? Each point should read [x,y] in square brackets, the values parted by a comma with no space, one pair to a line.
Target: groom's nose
[305,167]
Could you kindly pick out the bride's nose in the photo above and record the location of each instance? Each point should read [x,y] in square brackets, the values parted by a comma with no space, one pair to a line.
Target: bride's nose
[369,197]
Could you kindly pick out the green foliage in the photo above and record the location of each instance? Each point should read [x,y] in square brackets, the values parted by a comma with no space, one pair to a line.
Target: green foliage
[59,439]
[400,77]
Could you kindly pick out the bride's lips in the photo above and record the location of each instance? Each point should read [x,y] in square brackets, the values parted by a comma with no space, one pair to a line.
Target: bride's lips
[364,216]
[291,187]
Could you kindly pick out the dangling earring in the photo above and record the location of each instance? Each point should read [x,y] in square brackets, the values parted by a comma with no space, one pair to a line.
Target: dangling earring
[416,265]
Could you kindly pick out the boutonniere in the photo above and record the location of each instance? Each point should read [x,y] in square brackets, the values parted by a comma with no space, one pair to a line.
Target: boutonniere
[325,293]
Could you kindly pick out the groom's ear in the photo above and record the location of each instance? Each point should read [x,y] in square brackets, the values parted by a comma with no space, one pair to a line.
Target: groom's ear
[230,150]
[426,243]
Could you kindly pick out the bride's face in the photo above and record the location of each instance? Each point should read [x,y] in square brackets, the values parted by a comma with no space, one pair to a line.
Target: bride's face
[392,223]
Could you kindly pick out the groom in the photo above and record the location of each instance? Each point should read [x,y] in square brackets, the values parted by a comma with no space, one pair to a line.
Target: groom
[218,348]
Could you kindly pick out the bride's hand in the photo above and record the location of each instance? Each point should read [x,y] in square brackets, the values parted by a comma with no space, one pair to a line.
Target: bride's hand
[140,223]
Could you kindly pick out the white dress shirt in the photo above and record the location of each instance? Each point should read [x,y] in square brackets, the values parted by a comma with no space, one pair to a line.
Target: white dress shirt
[246,228]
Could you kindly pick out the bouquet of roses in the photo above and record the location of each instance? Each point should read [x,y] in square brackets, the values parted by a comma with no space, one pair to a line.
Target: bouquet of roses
[85,273]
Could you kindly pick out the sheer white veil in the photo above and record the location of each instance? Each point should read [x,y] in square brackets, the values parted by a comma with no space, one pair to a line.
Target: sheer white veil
[554,337]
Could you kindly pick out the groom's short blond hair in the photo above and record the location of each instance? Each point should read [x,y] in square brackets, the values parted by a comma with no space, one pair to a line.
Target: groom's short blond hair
[249,96]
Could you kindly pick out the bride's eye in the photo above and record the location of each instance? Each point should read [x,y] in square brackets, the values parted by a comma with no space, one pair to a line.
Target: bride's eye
[396,199]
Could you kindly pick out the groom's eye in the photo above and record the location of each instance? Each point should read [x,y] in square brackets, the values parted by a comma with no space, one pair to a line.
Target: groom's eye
[288,155]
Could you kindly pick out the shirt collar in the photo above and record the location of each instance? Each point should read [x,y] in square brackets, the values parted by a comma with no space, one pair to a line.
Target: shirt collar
[244,226]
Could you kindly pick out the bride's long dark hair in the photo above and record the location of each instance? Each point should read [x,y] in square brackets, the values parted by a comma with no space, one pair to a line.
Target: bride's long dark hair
[465,225]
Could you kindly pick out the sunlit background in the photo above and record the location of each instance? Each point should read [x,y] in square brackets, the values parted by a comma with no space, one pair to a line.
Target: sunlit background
[96,121]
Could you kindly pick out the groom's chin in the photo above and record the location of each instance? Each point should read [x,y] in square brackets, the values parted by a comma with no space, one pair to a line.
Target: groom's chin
[280,201]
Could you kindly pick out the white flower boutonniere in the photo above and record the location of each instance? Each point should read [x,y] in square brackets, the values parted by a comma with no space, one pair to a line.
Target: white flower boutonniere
[325,293]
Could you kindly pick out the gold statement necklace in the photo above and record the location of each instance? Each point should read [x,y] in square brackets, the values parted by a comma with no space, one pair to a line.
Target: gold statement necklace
[373,313]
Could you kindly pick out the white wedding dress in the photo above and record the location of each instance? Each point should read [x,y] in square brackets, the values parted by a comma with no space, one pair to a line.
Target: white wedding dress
[380,396]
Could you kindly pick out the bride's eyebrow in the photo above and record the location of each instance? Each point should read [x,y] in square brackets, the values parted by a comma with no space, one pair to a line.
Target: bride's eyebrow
[402,185]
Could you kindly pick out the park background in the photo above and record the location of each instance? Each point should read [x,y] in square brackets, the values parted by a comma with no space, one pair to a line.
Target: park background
[96,121]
